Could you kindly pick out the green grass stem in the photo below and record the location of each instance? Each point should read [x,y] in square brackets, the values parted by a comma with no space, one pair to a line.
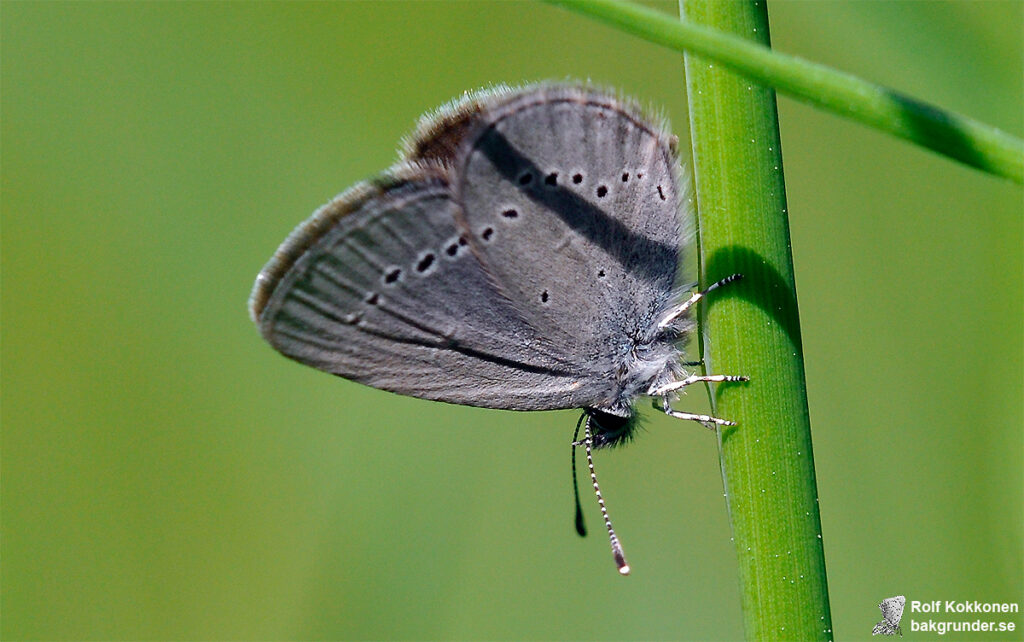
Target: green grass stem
[743,227]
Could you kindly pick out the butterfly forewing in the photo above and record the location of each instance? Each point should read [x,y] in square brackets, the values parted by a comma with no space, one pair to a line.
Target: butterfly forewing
[571,200]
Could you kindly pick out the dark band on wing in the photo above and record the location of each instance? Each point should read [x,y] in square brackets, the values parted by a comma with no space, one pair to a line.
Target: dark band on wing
[454,346]
[578,213]
[321,340]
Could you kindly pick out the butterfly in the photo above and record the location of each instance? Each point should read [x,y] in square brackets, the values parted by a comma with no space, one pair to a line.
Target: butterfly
[522,255]
[892,613]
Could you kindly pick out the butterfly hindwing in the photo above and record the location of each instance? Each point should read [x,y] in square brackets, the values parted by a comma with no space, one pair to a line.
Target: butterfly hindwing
[380,287]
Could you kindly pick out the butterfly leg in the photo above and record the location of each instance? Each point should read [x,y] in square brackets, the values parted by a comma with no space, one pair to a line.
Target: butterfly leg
[683,307]
[663,390]
[707,421]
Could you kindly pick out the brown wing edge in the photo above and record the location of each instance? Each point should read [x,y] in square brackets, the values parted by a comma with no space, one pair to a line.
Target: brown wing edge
[440,133]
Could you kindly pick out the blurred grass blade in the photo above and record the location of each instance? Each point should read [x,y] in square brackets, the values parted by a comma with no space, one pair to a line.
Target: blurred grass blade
[958,137]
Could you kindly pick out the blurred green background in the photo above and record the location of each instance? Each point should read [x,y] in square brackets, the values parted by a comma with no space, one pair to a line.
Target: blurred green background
[166,475]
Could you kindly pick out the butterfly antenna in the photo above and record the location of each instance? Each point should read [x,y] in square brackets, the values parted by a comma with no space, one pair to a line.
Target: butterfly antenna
[620,557]
[581,528]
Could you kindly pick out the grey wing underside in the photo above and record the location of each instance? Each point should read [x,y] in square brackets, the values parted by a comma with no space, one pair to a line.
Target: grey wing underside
[490,292]
[581,193]
[380,287]
[572,198]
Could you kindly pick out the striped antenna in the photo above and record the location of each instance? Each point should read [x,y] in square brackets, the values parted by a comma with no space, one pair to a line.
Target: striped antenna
[617,553]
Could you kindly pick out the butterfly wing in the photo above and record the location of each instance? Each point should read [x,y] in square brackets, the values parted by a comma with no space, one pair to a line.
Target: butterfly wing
[571,198]
[883,628]
[380,287]
[892,609]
